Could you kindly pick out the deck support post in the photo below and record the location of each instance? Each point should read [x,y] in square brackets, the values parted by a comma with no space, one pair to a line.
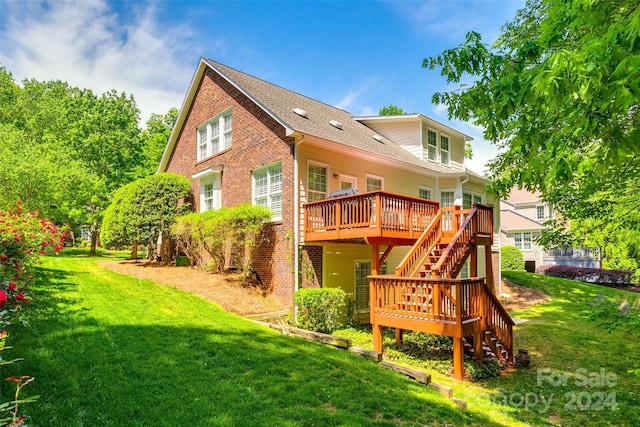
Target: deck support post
[477,346]
[489,268]
[458,358]
[399,336]
[377,337]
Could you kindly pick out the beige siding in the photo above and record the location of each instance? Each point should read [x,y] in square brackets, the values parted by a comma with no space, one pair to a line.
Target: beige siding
[403,134]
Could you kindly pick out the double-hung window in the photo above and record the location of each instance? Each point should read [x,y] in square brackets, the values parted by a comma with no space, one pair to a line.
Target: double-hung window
[540,212]
[522,241]
[470,199]
[214,136]
[267,189]
[432,145]
[424,193]
[444,150]
[374,183]
[316,182]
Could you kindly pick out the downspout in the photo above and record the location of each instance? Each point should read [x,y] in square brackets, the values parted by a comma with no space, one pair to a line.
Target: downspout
[296,216]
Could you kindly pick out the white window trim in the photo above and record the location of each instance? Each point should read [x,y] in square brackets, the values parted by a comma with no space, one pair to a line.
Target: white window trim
[440,150]
[221,133]
[437,146]
[473,194]
[209,176]
[270,193]
[321,165]
[521,247]
[429,189]
[372,176]
[347,178]
[544,212]
[447,190]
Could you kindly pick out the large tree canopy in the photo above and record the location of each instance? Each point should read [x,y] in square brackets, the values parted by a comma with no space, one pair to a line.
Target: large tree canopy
[64,150]
[558,92]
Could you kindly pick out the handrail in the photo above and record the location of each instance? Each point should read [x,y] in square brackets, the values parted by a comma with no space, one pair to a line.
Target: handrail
[457,249]
[429,238]
[498,320]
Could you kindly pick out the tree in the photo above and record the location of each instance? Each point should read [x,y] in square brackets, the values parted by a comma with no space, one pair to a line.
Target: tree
[558,93]
[64,150]
[154,140]
[391,110]
[144,209]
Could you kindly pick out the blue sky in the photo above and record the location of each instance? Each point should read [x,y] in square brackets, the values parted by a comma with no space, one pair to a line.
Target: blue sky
[355,55]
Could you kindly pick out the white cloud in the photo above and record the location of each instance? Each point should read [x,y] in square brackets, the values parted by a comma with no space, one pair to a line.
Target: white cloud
[89,45]
[352,99]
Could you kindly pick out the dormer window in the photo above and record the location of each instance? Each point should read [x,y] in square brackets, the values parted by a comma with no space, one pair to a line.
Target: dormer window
[214,136]
[445,158]
[437,148]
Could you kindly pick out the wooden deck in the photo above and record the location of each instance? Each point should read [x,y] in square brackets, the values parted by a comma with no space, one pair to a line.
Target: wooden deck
[376,216]
[423,295]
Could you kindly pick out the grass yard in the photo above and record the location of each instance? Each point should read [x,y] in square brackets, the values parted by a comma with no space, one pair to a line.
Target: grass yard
[581,352]
[108,349]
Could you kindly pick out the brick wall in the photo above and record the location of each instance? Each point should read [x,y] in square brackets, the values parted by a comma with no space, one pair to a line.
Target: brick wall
[257,140]
[311,266]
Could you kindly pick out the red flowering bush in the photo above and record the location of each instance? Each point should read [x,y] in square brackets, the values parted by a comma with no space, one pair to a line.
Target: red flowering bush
[24,237]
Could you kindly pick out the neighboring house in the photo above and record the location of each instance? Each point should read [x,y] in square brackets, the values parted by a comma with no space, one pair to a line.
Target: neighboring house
[242,139]
[522,218]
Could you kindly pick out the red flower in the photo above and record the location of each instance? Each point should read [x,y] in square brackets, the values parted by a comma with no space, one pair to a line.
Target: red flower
[21,297]
[3,297]
[12,286]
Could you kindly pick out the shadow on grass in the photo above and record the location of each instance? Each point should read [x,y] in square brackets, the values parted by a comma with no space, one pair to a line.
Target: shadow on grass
[226,371]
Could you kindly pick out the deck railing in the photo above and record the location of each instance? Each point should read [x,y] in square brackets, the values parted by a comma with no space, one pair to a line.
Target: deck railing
[449,300]
[367,214]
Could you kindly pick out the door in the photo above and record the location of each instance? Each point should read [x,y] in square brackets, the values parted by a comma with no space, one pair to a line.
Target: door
[347,181]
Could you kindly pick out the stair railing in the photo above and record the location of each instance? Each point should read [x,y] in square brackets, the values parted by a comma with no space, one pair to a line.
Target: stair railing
[498,321]
[450,263]
[427,241]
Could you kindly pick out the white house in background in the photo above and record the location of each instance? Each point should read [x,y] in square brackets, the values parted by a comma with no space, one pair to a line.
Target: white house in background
[522,218]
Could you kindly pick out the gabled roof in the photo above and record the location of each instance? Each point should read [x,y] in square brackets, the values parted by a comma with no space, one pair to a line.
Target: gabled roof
[421,117]
[520,196]
[279,103]
[513,221]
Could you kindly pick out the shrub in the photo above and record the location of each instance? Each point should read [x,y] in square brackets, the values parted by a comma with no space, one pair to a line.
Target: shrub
[426,345]
[227,231]
[511,258]
[589,275]
[478,371]
[318,309]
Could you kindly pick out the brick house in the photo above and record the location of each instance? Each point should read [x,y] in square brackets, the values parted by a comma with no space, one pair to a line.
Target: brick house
[242,139]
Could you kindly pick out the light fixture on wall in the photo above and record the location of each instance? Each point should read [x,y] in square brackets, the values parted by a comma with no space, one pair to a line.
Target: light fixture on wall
[335,175]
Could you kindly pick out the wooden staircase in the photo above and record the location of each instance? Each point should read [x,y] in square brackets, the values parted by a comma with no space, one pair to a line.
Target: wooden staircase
[424,294]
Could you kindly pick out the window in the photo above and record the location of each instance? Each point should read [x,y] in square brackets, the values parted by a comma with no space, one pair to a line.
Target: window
[316,182]
[447,199]
[470,199]
[363,269]
[540,212]
[522,241]
[444,150]
[424,193]
[210,189]
[214,136]
[267,189]
[374,183]
[432,145]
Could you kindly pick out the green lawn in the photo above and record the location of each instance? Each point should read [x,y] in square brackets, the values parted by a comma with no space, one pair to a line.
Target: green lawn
[581,352]
[108,349]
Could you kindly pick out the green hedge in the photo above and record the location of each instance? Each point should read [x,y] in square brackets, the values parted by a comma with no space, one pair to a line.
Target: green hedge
[318,309]
[512,259]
